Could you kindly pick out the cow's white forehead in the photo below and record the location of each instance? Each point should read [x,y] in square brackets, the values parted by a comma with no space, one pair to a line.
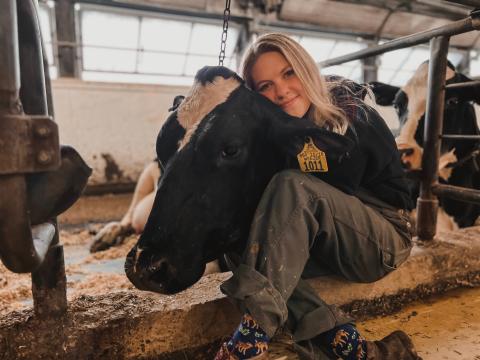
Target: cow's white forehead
[418,82]
[416,91]
[202,99]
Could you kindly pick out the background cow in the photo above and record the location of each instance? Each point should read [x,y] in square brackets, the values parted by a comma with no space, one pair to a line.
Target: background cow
[459,161]
[232,142]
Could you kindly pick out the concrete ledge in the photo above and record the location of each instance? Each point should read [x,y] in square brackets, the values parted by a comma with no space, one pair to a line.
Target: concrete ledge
[137,325]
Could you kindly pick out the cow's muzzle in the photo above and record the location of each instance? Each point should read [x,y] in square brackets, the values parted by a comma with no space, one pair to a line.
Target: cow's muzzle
[151,271]
[150,275]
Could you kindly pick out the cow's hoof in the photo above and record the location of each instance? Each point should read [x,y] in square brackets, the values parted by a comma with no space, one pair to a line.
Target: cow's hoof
[396,346]
[112,234]
[51,193]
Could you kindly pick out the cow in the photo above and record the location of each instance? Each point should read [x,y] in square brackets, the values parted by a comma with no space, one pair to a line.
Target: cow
[459,160]
[218,149]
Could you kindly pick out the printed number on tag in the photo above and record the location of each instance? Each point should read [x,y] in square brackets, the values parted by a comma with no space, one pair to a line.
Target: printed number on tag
[311,158]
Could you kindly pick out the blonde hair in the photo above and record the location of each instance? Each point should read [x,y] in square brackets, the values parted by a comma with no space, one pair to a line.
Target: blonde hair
[323,111]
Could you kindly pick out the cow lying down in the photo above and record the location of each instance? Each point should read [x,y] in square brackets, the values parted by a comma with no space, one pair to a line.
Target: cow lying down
[459,161]
[219,149]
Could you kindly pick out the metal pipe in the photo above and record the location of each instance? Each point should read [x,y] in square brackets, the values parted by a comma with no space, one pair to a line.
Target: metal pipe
[18,249]
[455,28]
[427,203]
[32,91]
[9,59]
[463,84]
[460,137]
[457,193]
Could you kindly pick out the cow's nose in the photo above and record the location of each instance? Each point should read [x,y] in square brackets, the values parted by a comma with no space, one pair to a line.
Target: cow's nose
[146,271]
[157,271]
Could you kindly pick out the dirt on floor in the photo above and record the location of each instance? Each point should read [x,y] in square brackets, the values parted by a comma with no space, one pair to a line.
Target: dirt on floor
[87,274]
[442,327]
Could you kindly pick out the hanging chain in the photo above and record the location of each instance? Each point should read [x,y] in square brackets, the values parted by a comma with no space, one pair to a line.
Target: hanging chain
[223,44]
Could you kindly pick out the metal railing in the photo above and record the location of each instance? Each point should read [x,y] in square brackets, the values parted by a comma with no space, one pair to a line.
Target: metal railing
[28,145]
[427,203]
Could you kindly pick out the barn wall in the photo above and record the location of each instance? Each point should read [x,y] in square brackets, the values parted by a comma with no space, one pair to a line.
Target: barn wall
[114,126]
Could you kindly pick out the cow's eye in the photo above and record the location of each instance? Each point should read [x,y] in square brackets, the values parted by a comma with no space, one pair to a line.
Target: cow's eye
[230,151]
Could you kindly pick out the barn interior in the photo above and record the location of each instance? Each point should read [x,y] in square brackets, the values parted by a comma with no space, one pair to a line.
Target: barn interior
[115,67]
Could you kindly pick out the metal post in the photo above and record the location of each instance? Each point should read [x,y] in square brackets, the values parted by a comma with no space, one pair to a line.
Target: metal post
[49,280]
[9,70]
[370,69]
[66,37]
[427,203]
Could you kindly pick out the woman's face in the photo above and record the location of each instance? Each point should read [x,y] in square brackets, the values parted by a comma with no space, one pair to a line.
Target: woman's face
[274,78]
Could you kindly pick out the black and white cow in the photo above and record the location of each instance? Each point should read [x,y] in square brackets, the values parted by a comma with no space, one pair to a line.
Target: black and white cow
[459,161]
[231,141]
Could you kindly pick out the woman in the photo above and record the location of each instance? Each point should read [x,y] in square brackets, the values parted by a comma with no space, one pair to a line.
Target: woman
[348,221]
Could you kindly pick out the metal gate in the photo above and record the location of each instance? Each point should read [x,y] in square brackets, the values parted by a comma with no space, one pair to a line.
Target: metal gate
[427,203]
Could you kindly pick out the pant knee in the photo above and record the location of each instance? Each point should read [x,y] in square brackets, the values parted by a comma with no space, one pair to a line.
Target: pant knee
[299,182]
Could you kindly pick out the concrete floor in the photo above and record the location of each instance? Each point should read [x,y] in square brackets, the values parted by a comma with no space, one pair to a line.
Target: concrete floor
[443,327]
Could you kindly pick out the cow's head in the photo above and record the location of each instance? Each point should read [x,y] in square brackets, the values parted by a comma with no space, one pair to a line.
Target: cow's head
[235,141]
[410,104]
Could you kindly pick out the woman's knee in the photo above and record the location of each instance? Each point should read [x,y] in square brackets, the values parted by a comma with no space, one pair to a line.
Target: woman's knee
[295,180]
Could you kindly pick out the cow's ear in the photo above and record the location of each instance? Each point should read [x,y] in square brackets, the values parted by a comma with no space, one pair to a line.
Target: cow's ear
[470,93]
[290,135]
[384,93]
[177,100]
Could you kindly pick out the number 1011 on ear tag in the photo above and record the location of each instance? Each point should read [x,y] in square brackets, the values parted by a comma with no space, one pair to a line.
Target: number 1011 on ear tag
[311,158]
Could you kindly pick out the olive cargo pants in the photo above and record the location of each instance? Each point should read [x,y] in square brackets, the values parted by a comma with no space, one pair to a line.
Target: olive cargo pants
[303,224]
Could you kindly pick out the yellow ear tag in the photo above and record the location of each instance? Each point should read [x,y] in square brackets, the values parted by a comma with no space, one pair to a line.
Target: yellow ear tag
[311,158]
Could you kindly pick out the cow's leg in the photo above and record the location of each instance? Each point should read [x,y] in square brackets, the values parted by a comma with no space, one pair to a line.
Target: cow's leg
[136,216]
[300,217]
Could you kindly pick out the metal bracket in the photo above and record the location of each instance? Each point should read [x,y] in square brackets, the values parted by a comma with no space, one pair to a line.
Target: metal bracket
[28,143]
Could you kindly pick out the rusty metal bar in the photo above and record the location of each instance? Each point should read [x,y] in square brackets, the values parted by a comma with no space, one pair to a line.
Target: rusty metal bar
[460,137]
[457,193]
[427,203]
[49,282]
[455,28]
[9,72]
[17,248]
[463,84]
[22,84]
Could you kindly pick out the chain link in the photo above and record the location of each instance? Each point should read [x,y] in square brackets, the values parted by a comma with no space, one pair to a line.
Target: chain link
[223,44]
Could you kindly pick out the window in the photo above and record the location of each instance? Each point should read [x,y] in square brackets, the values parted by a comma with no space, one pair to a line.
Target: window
[324,48]
[126,46]
[397,67]
[46,15]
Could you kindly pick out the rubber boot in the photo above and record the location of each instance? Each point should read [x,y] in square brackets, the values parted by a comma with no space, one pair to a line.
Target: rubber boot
[52,192]
[396,346]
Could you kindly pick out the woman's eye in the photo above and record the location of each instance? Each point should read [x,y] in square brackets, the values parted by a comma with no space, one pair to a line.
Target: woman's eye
[230,151]
[263,88]
[289,73]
